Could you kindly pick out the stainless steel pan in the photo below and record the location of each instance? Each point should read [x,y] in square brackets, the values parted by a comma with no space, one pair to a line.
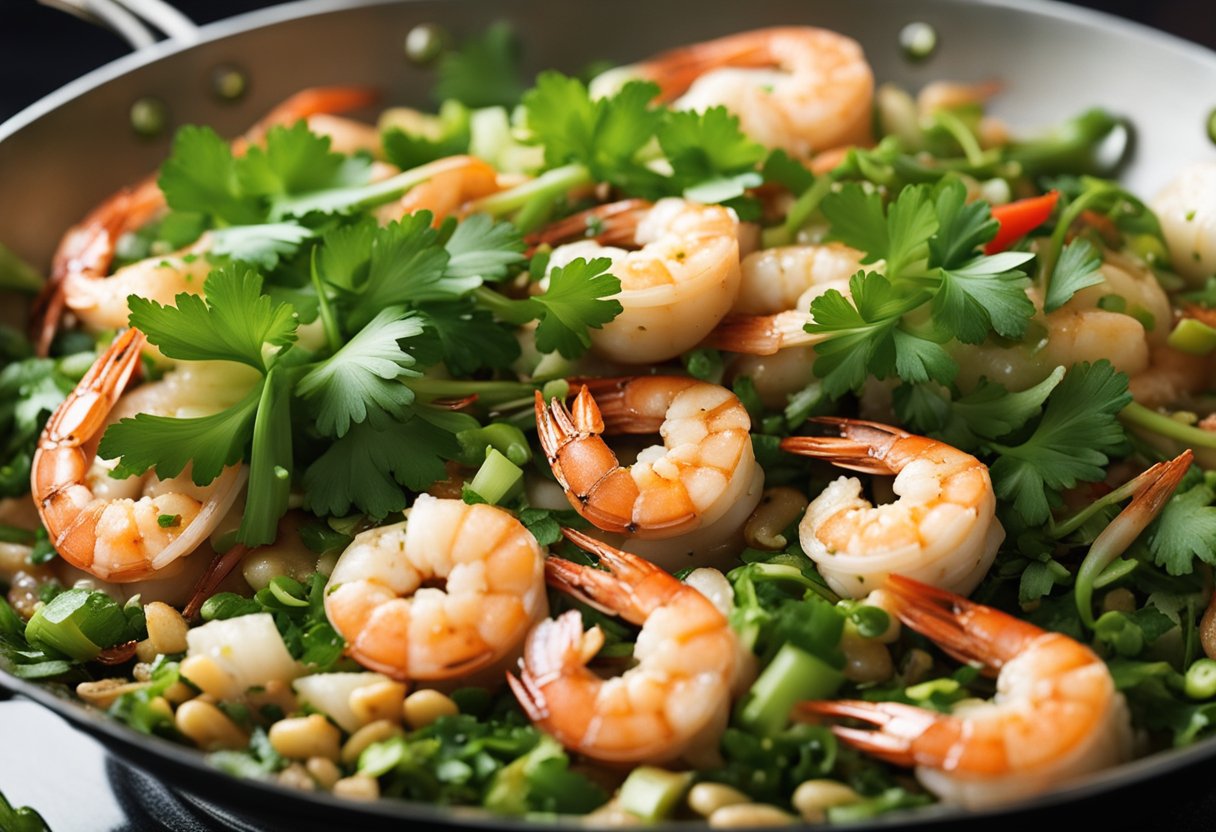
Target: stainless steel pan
[64,154]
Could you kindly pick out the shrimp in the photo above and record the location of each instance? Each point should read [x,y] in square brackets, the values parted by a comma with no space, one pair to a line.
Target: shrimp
[95,522]
[87,251]
[1080,330]
[1056,716]
[704,468]
[942,529]
[1187,211]
[461,180]
[382,595]
[767,325]
[675,700]
[675,287]
[801,89]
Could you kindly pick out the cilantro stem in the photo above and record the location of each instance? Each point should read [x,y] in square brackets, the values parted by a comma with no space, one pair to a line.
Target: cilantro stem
[333,335]
[1066,527]
[1163,425]
[799,213]
[511,311]
[490,393]
[963,135]
[546,187]
[335,200]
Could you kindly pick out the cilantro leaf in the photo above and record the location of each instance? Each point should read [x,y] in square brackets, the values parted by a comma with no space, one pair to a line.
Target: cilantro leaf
[982,294]
[484,249]
[708,145]
[200,176]
[579,298]
[484,71]
[1071,443]
[963,227]
[360,382]
[919,359]
[782,169]
[232,324]
[469,337]
[605,135]
[262,245]
[168,445]
[1185,530]
[991,411]
[1077,268]
[900,235]
[369,469]
[294,160]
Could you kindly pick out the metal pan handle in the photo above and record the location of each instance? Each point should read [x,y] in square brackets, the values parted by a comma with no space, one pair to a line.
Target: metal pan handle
[130,19]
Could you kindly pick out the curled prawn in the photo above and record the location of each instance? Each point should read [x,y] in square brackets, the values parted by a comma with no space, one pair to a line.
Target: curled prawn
[674,701]
[117,538]
[678,263]
[799,88]
[704,469]
[383,598]
[88,249]
[1056,715]
[942,529]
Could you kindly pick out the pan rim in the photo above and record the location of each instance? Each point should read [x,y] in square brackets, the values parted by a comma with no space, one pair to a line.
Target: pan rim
[93,722]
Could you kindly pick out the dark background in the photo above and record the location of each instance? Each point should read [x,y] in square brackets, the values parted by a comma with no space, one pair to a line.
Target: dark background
[42,49]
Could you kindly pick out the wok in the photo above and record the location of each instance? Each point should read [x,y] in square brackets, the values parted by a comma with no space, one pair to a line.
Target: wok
[67,152]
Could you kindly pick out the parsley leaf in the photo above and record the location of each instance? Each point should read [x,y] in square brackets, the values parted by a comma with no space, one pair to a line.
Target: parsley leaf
[360,382]
[231,324]
[1185,530]
[368,468]
[484,249]
[579,298]
[469,337]
[900,235]
[294,160]
[201,176]
[1077,268]
[262,245]
[168,445]
[963,227]
[484,71]
[1072,442]
[983,294]
[605,135]
[707,146]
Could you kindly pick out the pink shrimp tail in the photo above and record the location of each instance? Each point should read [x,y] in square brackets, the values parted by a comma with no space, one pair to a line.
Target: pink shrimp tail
[899,726]
[861,445]
[614,223]
[968,631]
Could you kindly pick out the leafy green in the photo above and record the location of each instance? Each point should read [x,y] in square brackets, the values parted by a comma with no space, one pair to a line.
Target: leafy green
[1071,443]
[708,146]
[1076,269]
[483,72]
[446,134]
[1184,531]
[578,299]
[360,382]
[20,818]
[233,323]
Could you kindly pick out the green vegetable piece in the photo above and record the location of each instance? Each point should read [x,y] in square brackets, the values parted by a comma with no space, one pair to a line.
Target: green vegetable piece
[78,624]
[501,436]
[282,590]
[652,793]
[497,477]
[169,521]
[1194,337]
[1201,679]
[793,676]
[16,275]
[20,818]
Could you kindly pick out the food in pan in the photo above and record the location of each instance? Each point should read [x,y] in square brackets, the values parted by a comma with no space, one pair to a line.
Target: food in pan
[722,436]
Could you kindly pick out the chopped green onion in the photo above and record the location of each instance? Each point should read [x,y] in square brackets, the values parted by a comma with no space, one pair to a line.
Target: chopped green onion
[168,521]
[793,676]
[496,478]
[281,589]
[501,436]
[1201,679]
[1194,337]
[652,793]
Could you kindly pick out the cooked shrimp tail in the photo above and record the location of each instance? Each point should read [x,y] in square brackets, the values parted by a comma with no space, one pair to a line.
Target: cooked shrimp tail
[675,697]
[705,465]
[763,334]
[1056,715]
[613,224]
[942,528]
[115,539]
[1150,492]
